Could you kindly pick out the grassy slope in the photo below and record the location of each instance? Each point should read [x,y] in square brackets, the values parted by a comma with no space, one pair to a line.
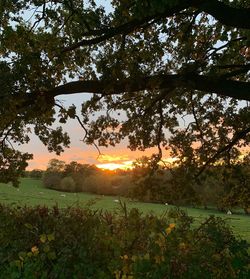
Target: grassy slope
[32,193]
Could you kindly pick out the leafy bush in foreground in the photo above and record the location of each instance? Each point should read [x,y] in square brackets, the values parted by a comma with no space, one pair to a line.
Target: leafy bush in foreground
[81,243]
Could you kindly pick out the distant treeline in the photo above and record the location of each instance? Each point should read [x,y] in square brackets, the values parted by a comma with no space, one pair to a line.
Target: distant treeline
[76,177]
[225,187]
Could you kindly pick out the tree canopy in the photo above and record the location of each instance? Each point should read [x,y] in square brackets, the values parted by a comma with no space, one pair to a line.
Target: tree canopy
[167,73]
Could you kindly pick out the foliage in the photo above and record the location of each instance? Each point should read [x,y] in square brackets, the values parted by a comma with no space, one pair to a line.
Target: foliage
[80,243]
[147,182]
[175,72]
[67,177]
[56,166]
[79,172]
[225,187]
[52,180]
[237,187]
[67,184]
[36,173]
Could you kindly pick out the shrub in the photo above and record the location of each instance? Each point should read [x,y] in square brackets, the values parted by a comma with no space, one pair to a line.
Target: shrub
[80,243]
[36,174]
[52,180]
[68,184]
[121,184]
[98,184]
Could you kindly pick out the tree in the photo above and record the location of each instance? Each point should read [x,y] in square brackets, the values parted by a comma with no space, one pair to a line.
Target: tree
[56,166]
[177,71]
[79,169]
[78,172]
[36,173]
[53,175]
[237,187]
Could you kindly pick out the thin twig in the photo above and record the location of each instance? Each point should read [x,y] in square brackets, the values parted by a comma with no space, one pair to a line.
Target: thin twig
[40,19]
[223,46]
[85,130]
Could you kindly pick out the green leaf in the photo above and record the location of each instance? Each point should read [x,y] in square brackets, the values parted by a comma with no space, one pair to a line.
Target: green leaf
[43,238]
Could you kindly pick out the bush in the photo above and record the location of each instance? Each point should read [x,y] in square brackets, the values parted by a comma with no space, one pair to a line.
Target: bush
[98,184]
[36,174]
[68,184]
[80,243]
[121,185]
[52,180]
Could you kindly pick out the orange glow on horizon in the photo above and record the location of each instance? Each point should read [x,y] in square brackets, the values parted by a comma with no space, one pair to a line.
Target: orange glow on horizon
[123,159]
[127,165]
[114,162]
[115,166]
[120,158]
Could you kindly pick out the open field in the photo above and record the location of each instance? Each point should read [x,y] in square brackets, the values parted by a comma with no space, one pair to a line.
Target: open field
[32,193]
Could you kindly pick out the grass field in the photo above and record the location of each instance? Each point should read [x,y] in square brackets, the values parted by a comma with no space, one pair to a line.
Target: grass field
[31,192]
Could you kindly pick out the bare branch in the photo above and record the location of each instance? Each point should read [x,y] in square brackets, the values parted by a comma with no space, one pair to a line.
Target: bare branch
[39,19]
[215,50]
[85,130]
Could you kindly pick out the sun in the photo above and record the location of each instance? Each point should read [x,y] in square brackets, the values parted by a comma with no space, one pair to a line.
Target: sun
[127,165]
[113,166]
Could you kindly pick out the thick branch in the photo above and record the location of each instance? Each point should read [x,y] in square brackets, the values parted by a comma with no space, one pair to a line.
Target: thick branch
[122,29]
[221,86]
[230,16]
[227,15]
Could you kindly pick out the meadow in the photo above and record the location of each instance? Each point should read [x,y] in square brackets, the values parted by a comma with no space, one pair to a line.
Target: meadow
[32,193]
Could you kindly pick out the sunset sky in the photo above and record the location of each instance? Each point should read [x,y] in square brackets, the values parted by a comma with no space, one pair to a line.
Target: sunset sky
[113,157]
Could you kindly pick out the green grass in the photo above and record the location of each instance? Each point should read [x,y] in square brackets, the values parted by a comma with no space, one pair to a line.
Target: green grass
[31,192]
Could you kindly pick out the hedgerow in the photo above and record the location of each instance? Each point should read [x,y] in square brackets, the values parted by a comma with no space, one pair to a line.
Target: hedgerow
[38,242]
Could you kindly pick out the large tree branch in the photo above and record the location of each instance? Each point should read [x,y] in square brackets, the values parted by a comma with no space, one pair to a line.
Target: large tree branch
[123,29]
[230,16]
[210,84]
[227,15]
